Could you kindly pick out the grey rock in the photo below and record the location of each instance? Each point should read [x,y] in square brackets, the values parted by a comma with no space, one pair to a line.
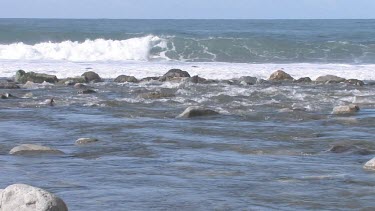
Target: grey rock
[303,80]
[80,86]
[6,96]
[196,111]
[86,91]
[248,80]
[348,148]
[280,75]
[330,79]
[355,82]
[21,197]
[82,141]
[347,109]
[370,165]
[174,75]
[73,81]
[196,79]
[156,95]
[125,78]
[8,85]
[148,79]
[91,76]
[23,77]
[33,149]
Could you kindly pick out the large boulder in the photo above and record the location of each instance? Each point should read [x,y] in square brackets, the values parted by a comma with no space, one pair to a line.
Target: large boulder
[25,149]
[330,79]
[92,77]
[21,197]
[174,75]
[280,75]
[23,77]
[196,111]
[125,78]
[347,109]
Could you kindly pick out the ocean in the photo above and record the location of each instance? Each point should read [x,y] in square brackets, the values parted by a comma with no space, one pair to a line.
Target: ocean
[273,146]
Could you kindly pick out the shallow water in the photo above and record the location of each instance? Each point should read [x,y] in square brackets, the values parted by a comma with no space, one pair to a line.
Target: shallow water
[267,150]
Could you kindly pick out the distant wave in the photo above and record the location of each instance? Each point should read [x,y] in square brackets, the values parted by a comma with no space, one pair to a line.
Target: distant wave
[89,50]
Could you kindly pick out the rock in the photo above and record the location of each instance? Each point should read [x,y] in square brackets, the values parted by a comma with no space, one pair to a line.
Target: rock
[248,80]
[73,81]
[156,95]
[347,148]
[280,76]
[23,77]
[303,80]
[196,79]
[348,109]
[33,149]
[8,85]
[82,141]
[125,78]
[355,82]
[86,91]
[174,74]
[195,111]
[80,86]
[147,79]
[6,96]
[370,164]
[92,77]
[330,79]
[21,197]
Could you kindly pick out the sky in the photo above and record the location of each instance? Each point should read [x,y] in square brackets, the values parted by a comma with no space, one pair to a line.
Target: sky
[189,9]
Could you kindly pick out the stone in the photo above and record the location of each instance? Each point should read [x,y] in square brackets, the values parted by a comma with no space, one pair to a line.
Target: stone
[355,82]
[196,111]
[370,164]
[330,79]
[86,91]
[80,86]
[6,96]
[303,80]
[347,109]
[248,80]
[348,148]
[23,77]
[33,149]
[82,141]
[91,76]
[72,81]
[22,197]
[280,75]
[156,95]
[8,85]
[125,78]
[196,79]
[174,74]
[147,79]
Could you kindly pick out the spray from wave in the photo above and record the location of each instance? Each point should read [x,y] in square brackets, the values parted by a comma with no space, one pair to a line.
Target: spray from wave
[89,50]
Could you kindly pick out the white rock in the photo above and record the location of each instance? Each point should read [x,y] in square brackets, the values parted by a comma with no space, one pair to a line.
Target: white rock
[349,109]
[195,111]
[370,164]
[33,148]
[21,197]
[86,141]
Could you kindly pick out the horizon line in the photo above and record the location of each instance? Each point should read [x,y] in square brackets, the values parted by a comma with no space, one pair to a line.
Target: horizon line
[41,18]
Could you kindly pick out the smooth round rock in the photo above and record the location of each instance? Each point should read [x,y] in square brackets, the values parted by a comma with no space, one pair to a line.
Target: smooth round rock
[21,197]
[280,75]
[33,149]
[82,141]
[196,111]
[348,109]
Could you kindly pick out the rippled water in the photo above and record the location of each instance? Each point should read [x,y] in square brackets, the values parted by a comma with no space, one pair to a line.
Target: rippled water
[267,150]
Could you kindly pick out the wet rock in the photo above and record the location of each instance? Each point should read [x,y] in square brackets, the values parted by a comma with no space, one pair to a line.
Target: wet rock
[248,80]
[82,141]
[6,96]
[156,95]
[86,91]
[347,148]
[303,80]
[174,75]
[355,82]
[8,85]
[21,197]
[280,75]
[23,77]
[91,76]
[347,109]
[33,149]
[196,79]
[73,81]
[196,111]
[148,79]
[125,78]
[370,164]
[330,79]
[80,86]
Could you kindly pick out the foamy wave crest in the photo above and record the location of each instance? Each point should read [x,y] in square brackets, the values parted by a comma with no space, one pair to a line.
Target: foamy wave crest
[89,50]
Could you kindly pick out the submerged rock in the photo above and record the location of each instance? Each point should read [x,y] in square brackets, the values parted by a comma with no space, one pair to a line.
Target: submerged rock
[80,86]
[174,75]
[21,197]
[348,109]
[82,141]
[73,81]
[196,79]
[280,75]
[156,95]
[303,80]
[248,80]
[33,149]
[8,85]
[370,164]
[23,77]
[92,76]
[86,91]
[125,78]
[330,79]
[147,79]
[355,82]
[6,96]
[348,148]
[196,111]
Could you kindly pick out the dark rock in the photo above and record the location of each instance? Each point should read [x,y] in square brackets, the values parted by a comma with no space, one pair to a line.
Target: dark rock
[125,78]
[92,77]
[330,79]
[196,111]
[280,75]
[303,80]
[147,79]
[173,74]
[196,79]
[156,95]
[352,149]
[86,91]
[248,80]
[6,96]
[355,82]
[23,77]
[8,85]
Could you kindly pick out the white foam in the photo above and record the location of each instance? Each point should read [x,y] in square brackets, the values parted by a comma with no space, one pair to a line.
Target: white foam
[89,50]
